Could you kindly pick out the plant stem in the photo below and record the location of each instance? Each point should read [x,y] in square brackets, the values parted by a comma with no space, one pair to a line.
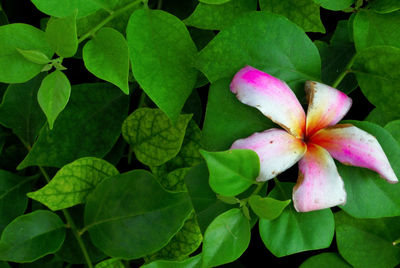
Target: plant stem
[396,242]
[345,72]
[113,15]
[67,216]
[259,187]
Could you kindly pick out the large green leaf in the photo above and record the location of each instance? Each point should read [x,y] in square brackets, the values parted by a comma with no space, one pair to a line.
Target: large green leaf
[131,215]
[162,66]
[61,35]
[384,6]
[232,171]
[335,5]
[106,56]
[185,242]
[377,116]
[89,126]
[227,119]
[20,110]
[193,262]
[373,29]
[15,68]
[217,17]
[226,238]
[13,200]
[32,236]
[304,13]
[295,231]
[326,260]
[205,202]
[73,182]
[394,129]
[368,243]
[63,8]
[368,195]
[53,95]
[155,139]
[378,75]
[265,41]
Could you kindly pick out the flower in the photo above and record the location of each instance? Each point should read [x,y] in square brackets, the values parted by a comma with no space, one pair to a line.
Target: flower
[312,140]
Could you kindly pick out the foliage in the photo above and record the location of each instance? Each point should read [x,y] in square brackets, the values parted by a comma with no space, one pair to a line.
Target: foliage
[109,159]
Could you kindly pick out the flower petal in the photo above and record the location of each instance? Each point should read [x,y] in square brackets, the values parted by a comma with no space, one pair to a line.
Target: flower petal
[277,150]
[326,106]
[319,184]
[272,97]
[353,146]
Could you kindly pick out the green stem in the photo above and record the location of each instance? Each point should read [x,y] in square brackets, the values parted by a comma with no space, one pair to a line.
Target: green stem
[346,70]
[396,242]
[67,216]
[112,16]
[259,187]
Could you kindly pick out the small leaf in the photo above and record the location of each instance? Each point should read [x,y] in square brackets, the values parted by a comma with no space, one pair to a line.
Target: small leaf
[232,171]
[61,35]
[174,181]
[13,200]
[106,56]
[193,262]
[34,56]
[73,182]
[366,242]
[217,17]
[335,5]
[32,236]
[327,260]
[293,231]
[304,13]
[20,110]
[226,238]
[80,129]
[15,68]
[110,263]
[152,135]
[231,200]
[267,208]
[162,66]
[126,221]
[53,95]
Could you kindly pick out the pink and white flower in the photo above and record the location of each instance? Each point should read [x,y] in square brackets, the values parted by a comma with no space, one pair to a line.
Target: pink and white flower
[312,139]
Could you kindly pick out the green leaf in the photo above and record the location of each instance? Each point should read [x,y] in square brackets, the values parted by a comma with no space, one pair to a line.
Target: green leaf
[193,262]
[247,42]
[61,35]
[304,13]
[15,68]
[205,203]
[384,6]
[326,260]
[126,220]
[376,68]
[34,56]
[13,200]
[185,242]
[227,119]
[368,195]
[226,238]
[335,5]
[232,171]
[80,129]
[214,2]
[32,236]
[394,129]
[373,29]
[106,56]
[267,208]
[63,8]
[73,182]
[162,66]
[217,17]
[110,263]
[293,231]
[153,137]
[174,181]
[53,95]
[368,243]
[377,116]
[20,110]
